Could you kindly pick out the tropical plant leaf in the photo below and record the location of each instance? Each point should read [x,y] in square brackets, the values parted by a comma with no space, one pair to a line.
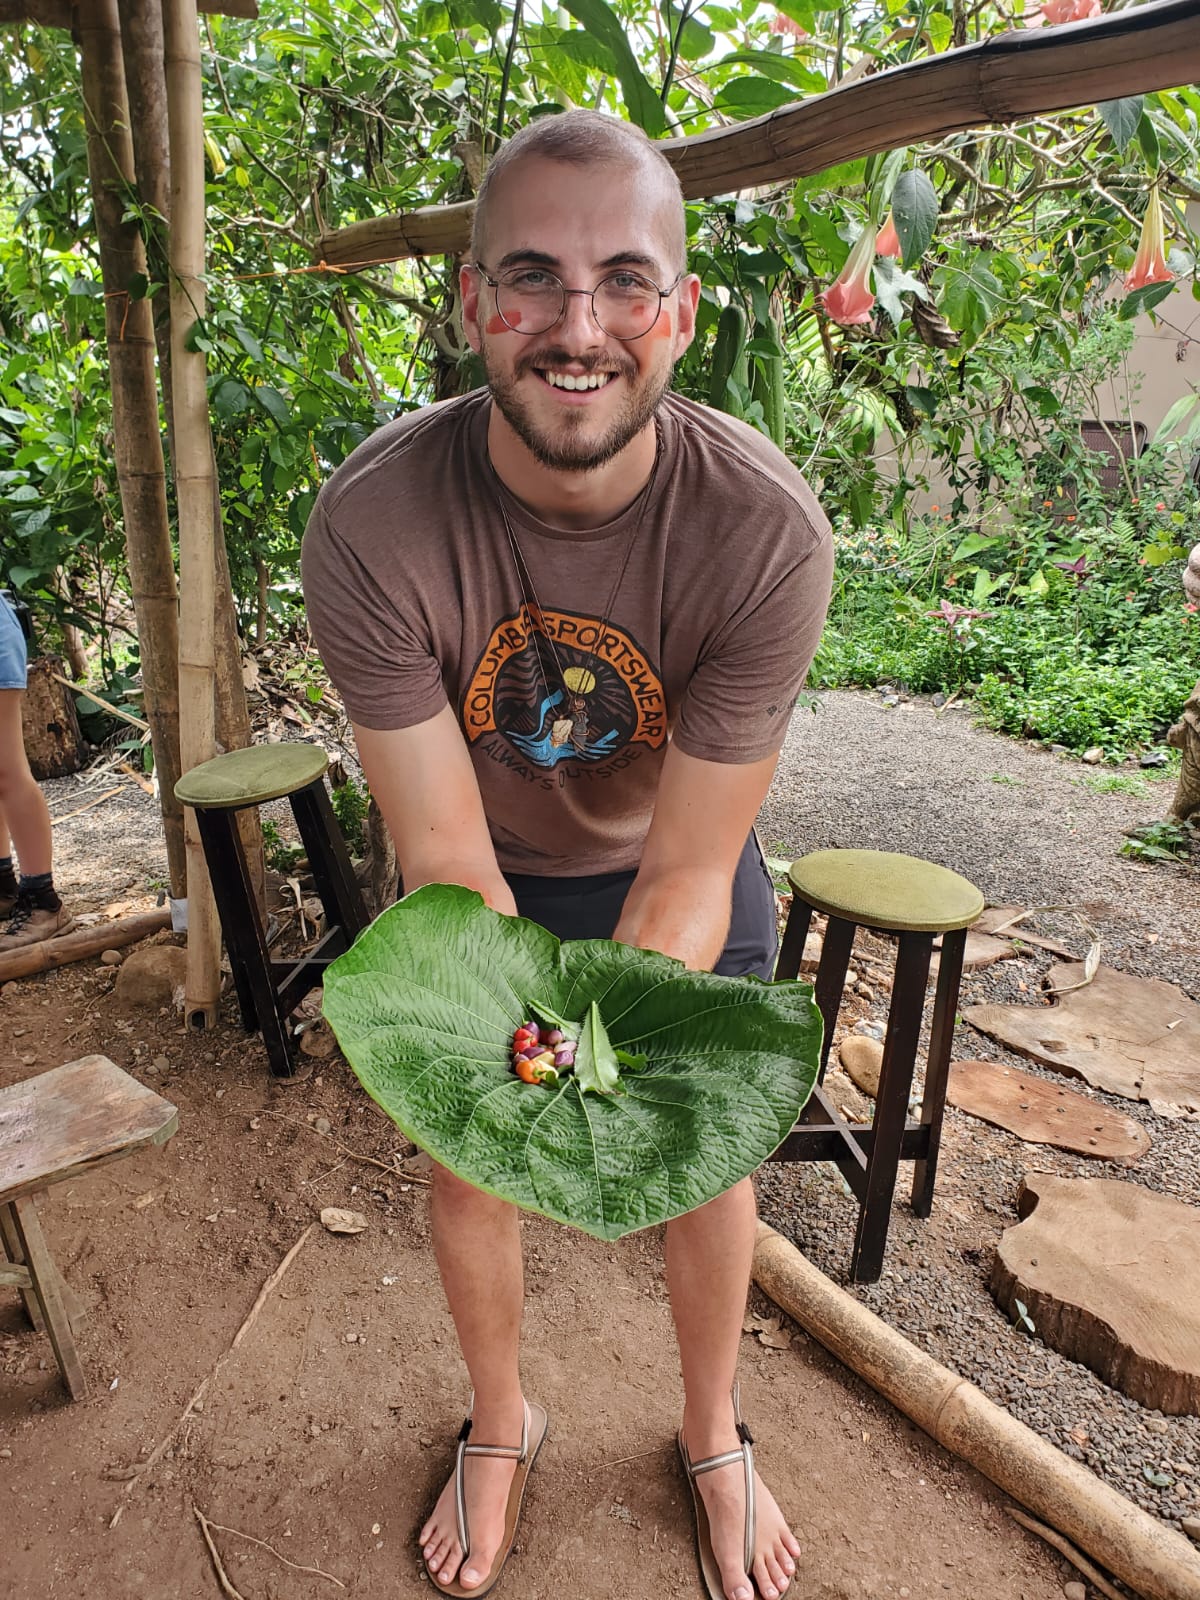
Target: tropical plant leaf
[641,101]
[705,1075]
[1121,118]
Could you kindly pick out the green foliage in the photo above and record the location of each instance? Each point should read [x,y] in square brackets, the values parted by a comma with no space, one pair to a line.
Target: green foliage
[1159,841]
[279,854]
[425,1006]
[351,801]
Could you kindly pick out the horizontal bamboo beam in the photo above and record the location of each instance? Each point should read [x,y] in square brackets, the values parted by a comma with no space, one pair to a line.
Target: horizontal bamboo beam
[1005,79]
[58,13]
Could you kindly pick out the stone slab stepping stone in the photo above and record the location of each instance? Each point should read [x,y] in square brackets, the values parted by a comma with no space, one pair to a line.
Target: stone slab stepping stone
[1107,1273]
[1136,1037]
[1044,1113]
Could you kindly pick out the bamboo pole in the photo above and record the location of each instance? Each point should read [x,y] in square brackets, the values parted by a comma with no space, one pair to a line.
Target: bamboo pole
[194,485]
[137,439]
[1013,76]
[142,43]
[1151,1558]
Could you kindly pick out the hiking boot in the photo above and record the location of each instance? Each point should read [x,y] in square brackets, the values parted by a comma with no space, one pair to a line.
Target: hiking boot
[8,904]
[31,923]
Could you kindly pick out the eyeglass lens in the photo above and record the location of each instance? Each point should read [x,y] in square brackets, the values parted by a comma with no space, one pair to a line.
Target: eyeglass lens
[625,305]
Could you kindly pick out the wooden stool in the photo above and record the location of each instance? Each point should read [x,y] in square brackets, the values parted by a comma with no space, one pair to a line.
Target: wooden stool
[269,991]
[61,1125]
[918,900]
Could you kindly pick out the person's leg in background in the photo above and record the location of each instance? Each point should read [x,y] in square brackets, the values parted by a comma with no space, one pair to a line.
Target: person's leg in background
[37,912]
[8,876]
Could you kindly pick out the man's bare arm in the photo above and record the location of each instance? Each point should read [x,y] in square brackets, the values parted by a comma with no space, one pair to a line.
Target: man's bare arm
[680,901]
[425,785]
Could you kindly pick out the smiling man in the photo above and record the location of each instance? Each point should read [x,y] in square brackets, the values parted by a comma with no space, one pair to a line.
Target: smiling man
[568,615]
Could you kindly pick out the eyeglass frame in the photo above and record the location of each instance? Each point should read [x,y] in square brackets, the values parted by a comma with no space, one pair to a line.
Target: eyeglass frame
[663,294]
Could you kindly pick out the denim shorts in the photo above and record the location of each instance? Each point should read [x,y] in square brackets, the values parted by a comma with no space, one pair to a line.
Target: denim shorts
[589,908]
[12,649]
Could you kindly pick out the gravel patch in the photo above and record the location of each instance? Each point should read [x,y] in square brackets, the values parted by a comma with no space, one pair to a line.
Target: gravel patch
[1025,826]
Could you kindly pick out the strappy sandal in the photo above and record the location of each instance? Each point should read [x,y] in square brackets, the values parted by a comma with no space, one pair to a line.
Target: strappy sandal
[533,1435]
[709,1569]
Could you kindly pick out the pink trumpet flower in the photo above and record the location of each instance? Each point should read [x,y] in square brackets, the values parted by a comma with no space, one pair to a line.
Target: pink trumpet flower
[782,24]
[848,300]
[888,242]
[1057,12]
[1150,263]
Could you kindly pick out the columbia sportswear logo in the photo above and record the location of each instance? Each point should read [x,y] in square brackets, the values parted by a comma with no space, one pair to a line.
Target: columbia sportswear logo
[516,689]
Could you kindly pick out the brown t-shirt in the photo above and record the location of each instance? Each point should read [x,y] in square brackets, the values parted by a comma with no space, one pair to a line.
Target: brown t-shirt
[692,616]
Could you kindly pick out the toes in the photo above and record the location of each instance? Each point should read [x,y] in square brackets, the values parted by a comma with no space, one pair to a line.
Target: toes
[773,1575]
[736,1584]
[763,1577]
[792,1545]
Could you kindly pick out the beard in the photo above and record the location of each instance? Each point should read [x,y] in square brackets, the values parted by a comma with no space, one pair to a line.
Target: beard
[569,446]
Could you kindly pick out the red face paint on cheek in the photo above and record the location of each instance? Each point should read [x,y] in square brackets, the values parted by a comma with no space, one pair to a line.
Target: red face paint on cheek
[498,324]
[662,329]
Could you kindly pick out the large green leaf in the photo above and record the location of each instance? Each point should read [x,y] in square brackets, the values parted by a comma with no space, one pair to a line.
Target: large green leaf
[425,1004]
[602,23]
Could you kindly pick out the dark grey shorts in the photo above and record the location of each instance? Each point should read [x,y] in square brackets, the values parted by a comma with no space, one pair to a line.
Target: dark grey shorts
[589,908]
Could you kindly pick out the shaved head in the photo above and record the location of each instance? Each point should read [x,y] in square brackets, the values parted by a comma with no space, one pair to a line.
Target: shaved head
[586,139]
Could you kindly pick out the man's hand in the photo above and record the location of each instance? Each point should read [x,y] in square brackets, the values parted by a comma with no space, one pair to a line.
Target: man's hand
[425,784]
[680,901]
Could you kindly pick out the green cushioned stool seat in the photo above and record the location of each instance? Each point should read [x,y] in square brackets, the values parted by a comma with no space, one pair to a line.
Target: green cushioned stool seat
[913,900]
[251,776]
[877,889]
[269,990]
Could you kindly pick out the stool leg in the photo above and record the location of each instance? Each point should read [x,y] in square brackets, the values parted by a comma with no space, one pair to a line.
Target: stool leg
[12,1249]
[831,978]
[937,1070]
[329,859]
[795,932]
[245,939]
[891,1104]
[47,1286]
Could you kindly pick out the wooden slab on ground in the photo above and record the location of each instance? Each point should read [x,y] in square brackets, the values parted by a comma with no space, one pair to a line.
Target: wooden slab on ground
[981,950]
[1136,1037]
[1107,1273]
[1002,918]
[1044,1113]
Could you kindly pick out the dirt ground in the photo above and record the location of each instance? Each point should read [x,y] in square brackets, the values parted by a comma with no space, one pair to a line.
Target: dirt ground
[327,1433]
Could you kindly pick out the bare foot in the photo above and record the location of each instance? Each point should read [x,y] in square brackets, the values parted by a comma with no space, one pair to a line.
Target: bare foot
[723,1490]
[487,1481]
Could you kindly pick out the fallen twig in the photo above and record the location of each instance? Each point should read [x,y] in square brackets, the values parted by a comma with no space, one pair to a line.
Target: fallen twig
[1065,1548]
[354,1155]
[99,800]
[138,1472]
[641,1456]
[227,1588]
[946,704]
[263,1545]
[113,711]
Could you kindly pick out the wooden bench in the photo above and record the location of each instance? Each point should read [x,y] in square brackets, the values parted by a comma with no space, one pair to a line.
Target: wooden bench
[63,1124]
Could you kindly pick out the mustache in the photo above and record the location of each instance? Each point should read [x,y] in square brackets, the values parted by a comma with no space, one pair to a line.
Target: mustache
[553,357]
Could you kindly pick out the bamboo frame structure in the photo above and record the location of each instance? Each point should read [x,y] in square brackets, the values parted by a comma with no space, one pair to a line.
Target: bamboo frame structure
[1000,80]
[194,482]
[137,440]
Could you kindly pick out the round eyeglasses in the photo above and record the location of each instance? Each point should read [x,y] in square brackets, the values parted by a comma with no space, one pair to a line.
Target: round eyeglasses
[531,300]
